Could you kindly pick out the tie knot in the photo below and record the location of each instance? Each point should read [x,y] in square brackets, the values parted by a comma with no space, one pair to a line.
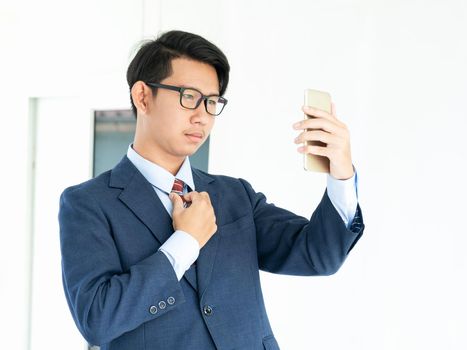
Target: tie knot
[178,187]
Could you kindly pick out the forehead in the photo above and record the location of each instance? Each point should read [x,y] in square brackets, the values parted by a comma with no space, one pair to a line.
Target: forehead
[191,73]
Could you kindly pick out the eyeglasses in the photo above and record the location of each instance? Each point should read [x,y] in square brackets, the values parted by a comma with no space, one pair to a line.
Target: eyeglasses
[191,98]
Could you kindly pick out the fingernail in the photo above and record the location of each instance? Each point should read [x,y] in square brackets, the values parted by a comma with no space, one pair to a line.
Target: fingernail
[296,125]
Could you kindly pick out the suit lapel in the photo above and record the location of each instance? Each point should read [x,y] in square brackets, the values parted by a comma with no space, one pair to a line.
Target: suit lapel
[139,196]
[150,210]
[207,254]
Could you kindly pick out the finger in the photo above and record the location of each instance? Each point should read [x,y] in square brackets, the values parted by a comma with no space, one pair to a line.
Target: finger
[206,196]
[323,124]
[177,202]
[317,150]
[315,112]
[317,135]
[191,195]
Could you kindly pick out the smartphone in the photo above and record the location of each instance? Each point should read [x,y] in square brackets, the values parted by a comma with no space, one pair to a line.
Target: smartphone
[320,100]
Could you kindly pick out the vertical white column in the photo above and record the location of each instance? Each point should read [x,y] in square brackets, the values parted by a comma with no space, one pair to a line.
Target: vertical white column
[63,152]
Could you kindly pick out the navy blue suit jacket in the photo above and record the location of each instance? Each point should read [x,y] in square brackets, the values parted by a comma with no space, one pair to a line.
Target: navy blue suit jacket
[124,294]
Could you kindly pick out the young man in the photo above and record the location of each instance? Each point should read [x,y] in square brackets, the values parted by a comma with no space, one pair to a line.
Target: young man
[159,255]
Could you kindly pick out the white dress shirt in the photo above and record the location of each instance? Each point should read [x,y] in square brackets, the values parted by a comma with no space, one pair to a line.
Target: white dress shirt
[181,248]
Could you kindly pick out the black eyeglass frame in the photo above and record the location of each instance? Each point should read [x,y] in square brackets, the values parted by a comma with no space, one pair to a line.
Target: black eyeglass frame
[203,97]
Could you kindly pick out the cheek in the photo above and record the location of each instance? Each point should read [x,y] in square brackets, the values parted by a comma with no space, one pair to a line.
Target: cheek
[163,122]
[166,130]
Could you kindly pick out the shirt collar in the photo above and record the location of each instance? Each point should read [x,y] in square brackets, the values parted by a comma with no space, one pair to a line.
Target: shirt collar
[157,175]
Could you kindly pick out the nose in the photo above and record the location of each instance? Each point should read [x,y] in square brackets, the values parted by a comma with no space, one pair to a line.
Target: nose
[200,116]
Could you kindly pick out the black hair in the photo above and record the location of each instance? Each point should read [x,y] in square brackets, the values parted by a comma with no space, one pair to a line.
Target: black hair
[152,62]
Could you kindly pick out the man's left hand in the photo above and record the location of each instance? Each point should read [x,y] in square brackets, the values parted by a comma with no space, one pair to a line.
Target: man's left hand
[335,134]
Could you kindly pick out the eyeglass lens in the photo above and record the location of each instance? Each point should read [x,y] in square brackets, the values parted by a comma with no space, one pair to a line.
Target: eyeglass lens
[190,99]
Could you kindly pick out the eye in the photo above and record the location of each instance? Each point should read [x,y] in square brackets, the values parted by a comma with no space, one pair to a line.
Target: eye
[212,102]
[188,96]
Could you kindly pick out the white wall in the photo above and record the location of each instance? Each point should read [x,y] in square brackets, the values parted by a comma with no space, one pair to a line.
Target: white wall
[69,56]
[396,70]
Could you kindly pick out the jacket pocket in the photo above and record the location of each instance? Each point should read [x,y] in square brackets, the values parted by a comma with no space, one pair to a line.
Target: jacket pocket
[234,226]
[270,343]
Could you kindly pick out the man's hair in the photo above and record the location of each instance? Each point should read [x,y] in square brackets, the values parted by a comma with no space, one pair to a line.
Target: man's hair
[152,62]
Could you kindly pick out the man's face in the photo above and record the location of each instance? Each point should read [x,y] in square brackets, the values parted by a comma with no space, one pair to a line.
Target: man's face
[170,129]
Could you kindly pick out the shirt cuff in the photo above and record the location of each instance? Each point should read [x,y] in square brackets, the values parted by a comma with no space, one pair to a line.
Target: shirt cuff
[343,195]
[182,250]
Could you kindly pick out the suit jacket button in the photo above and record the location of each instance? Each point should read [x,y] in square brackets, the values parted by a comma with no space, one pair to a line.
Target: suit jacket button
[207,310]
[153,309]
[162,305]
[171,300]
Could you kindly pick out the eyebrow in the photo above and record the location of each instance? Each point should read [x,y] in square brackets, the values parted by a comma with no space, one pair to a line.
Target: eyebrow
[192,87]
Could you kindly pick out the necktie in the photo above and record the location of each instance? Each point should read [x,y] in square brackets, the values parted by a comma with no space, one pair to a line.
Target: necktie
[178,189]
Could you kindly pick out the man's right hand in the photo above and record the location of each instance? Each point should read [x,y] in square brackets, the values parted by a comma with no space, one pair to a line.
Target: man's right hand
[198,219]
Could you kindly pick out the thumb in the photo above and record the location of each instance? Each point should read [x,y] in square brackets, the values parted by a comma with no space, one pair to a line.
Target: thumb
[176,201]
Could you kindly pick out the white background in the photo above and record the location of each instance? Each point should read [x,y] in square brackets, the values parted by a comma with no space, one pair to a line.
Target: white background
[397,73]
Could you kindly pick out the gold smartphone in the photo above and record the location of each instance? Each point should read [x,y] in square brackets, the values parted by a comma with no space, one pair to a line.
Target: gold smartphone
[320,100]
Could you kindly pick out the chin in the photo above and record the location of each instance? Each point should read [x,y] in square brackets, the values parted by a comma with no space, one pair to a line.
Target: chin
[192,152]
[188,151]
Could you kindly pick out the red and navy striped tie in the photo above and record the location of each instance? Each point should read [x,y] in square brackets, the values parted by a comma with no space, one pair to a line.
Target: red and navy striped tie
[178,189]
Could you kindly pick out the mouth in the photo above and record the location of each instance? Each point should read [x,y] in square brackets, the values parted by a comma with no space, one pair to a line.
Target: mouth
[195,137]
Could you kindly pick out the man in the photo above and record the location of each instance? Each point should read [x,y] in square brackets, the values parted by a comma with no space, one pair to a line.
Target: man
[159,255]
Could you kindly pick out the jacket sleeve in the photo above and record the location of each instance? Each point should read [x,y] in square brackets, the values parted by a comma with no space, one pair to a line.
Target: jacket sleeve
[291,244]
[106,301]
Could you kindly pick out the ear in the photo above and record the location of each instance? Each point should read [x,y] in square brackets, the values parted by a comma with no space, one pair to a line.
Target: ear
[141,95]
